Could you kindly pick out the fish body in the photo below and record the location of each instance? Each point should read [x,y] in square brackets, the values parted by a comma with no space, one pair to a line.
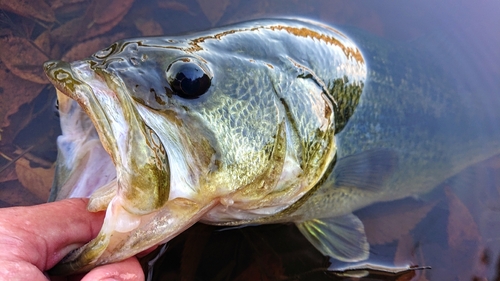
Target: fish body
[260,122]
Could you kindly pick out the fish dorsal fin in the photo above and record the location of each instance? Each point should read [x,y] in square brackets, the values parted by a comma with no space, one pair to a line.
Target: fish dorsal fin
[365,170]
[342,238]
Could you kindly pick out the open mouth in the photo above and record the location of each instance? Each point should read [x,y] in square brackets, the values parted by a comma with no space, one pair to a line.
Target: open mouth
[83,164]
[106,149]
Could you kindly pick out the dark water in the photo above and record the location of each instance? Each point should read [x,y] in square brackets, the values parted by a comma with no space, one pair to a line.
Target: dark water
[455,229]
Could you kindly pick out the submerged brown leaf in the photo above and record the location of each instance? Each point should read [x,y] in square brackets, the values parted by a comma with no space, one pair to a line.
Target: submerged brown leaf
[8,174]
[96,29]
[405,251]
[97,20]
[461,224]
[174,5]
[13,193]
[87,48]
[29,8]
[109,10]
[23,58]
[148,27]
[71,31]
[5,32]
[14,92]
[214,10]
[43,42]
[37,180]
[390,223]
[56,4]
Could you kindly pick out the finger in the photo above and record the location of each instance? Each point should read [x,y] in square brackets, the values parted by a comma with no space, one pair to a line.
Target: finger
[49,231]
[129,270]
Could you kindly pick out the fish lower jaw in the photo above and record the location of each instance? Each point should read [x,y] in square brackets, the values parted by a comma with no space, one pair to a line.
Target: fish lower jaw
[119,219]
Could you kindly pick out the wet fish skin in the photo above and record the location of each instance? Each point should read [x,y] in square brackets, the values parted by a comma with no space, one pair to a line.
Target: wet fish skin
[414,113]
[412,129]
[258,139]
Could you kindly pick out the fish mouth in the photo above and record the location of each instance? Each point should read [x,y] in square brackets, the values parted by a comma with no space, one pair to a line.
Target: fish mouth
[140,181]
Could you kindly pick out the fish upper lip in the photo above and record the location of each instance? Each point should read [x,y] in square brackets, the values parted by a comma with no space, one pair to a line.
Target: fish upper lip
[70,83]
[61,75]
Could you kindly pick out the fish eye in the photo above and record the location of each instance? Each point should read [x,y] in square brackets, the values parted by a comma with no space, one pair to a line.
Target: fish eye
[188,79]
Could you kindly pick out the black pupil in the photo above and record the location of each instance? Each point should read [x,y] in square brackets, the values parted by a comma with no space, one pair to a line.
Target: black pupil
[188,79]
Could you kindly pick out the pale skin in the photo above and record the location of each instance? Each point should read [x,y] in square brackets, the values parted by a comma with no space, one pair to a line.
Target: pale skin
[33,239]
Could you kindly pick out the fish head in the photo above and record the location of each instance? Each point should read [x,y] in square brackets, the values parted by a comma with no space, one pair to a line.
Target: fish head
[163,132]
[175,126]
[171,119]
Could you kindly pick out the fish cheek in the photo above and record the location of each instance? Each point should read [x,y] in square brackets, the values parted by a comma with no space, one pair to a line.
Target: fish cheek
[151,187]
[148,187]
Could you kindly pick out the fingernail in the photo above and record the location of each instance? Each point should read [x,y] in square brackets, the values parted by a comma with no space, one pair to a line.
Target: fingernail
[121,277]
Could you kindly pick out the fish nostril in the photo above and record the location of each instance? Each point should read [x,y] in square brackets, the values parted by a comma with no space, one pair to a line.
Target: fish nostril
[103,54]
[49,64]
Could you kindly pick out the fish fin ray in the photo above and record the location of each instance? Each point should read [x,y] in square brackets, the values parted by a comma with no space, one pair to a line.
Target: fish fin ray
[342,238]
[365,170]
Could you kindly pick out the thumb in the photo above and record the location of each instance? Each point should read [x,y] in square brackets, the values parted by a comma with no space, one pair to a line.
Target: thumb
[129,270]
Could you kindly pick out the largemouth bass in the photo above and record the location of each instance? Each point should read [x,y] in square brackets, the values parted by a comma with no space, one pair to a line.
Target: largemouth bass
[261,122]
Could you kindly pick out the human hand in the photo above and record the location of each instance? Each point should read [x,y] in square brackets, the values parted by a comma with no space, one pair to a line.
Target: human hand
[33,239]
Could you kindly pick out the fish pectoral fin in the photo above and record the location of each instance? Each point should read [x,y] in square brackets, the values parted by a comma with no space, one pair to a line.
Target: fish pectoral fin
[342,238]
[365,170]
[124,234]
